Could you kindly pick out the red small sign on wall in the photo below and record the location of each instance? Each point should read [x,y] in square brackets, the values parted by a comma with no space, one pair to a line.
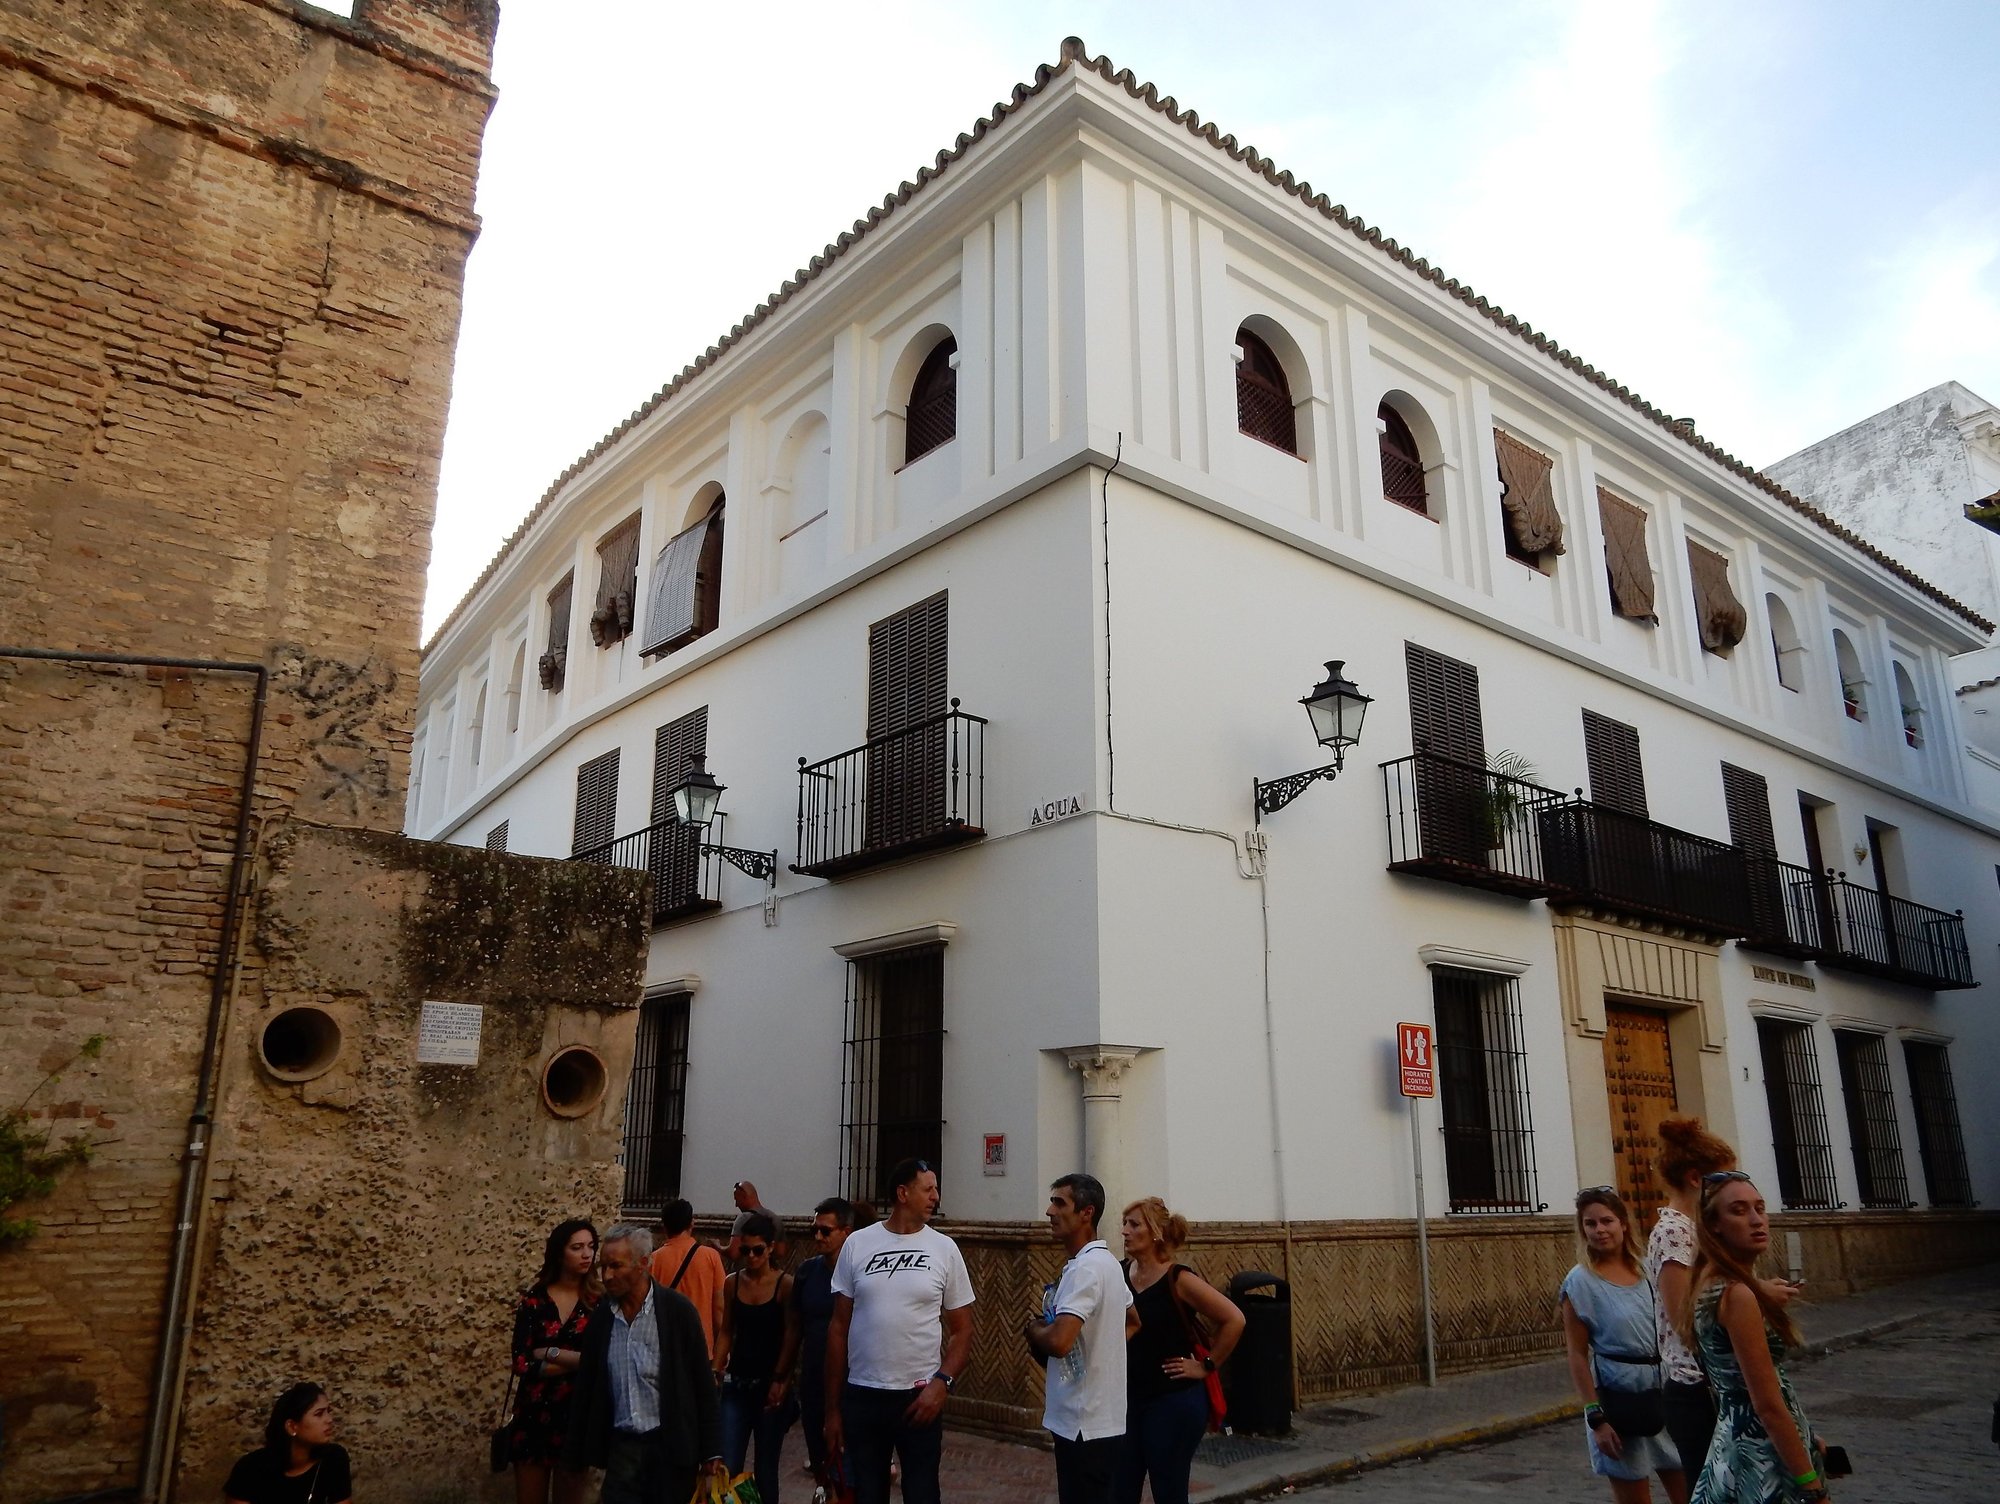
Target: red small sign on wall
[1416,1069]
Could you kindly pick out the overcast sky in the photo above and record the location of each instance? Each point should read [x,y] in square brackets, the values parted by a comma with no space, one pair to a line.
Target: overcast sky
[1776,217]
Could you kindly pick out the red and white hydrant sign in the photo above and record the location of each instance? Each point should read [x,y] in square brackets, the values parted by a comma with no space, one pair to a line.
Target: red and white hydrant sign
[1416,1070]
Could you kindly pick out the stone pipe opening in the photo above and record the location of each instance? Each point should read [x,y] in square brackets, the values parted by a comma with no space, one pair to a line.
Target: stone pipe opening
[301,1043]
[574,1081]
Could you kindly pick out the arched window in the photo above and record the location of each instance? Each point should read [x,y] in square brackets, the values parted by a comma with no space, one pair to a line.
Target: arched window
[1911,708]
[1853,688]
[1786,649]
[476,732]
[1402,462]
[1263,395]
[515,678]
[686,592]
[932,418]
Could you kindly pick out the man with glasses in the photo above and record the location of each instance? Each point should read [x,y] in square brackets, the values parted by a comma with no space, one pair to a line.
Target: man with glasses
[886,1384]
[812,1295]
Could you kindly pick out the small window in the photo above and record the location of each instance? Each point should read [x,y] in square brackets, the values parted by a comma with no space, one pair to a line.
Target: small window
[1528,515]
[1940,1144]
[893,1103]
[475,734]
[1787,652]
[685,597]
[1853,688]
[1489,1137]
[1402,462]
[516,677]
[1264,395]
[617,584]
[656,1105]
[932,418]
[1627,560]
[1718,615]
[1871,1118]
[1910,707]
[496,838]
[1799,1138]
[555,660]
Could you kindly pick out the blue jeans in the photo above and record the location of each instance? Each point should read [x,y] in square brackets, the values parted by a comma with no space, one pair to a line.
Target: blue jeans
[873,1422]
[1160,1438]
[744,1415]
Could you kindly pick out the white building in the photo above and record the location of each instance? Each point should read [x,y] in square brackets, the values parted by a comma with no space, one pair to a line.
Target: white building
[1108,433]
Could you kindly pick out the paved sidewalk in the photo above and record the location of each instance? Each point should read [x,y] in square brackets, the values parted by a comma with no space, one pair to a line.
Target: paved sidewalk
[1360,1432]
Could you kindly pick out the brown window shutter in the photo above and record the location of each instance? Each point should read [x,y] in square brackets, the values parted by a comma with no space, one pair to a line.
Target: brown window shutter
[496,838]
[1748,798]
[1402,464]
[1444,705]
[907,666]
[1617,777]
[617,584]
[555,661]
[1717,612]
[673,744]
[683,599]
[596,804]
[932,417]
[1264,407]
[1626,558]
[674,855]
[1527,499]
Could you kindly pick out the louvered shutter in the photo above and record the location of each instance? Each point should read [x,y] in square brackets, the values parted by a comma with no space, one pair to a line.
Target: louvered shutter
[596,804]
[674,595]
[1626,559]
[1527,499]
[674,857]
[555,660]
[1748,797]
[1445,722]
[496,838]
[1617,778]
[1717,612]
[617,584]
[908,686]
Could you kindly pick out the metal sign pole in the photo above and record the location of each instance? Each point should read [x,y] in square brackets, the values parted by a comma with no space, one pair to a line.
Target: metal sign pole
[1423,1250]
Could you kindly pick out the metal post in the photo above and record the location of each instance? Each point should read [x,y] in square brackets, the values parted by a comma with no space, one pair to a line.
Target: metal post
[1423,1250]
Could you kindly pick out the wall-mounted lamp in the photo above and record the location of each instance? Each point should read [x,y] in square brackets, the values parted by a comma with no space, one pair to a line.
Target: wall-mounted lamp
[1337,708]
[696,798]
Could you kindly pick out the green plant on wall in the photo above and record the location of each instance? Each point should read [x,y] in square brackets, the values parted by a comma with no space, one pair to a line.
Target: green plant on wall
[31,1162]
[1503,798]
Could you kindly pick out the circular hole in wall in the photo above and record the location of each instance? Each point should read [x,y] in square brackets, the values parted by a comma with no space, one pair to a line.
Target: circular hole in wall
[300,1043]
[573,1081]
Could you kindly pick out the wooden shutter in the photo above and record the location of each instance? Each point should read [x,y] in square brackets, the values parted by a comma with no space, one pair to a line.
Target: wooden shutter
[555,661]
[1749,800]
[1264,407]
[907,686]
[1402,464]
[1626,559]
[1444,705]
[673,744]
[617,584]
[1617,778]
[596,803]
[932,416]
[674,604]
[1717,612]
[1527,499]
[674,856]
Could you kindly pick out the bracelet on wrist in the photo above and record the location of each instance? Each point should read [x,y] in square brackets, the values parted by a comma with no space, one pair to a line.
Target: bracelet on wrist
[1806,1479]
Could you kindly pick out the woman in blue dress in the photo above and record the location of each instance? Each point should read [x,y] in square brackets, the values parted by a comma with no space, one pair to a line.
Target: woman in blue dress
[1608,1327]
[1762,1451]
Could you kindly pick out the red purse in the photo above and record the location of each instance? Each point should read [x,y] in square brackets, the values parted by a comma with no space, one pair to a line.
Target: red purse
[1218,1407]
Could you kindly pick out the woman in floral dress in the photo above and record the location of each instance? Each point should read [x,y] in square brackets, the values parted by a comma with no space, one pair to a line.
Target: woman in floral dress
[1762,1451]
[548,1342]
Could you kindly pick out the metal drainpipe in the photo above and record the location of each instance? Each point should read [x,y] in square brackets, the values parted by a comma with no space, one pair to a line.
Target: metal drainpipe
[174,1325]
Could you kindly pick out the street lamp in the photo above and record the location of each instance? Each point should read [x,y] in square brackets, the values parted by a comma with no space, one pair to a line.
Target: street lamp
[1336,708]
[695,800]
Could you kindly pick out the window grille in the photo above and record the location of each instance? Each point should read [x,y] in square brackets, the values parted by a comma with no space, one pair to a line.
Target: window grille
[1617,776]
[656,1104]
[596,804]
[1940,1145]
[1871,1118]
[932,417]
[555,661]
[1402,463]
[1799,1138]
[674,854]
[496,838]
[1264,407]
[1489,1136]
[892,1080]
[617,584]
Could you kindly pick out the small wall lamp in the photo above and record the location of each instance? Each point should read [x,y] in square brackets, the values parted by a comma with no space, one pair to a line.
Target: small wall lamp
[696,799]
[1337,708]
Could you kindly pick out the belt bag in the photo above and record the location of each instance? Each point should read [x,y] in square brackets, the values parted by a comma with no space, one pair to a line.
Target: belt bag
[1634,1412]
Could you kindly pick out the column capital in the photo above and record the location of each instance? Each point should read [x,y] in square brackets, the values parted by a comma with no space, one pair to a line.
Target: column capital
[1103,1066]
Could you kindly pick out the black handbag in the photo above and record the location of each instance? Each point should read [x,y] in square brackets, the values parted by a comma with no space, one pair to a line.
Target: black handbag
[496,1446]
[1636,1412]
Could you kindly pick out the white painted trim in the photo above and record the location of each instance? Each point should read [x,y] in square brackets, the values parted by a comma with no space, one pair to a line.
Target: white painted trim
[1924,1036]
[1856,1024]
[937,932]
[1471,960]
[690,984]
[1790,1013]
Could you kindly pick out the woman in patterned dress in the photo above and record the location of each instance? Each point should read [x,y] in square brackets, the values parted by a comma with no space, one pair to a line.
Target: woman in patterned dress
[548,1342]
[1762,1451]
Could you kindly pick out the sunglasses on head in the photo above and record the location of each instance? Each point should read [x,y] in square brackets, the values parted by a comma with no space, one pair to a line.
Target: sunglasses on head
[1723,1177]
[1595,1190]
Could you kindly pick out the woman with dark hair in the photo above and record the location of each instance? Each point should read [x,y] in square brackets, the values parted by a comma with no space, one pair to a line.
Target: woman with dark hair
[1762,1451]
[548,1344]
[298,1462]
[760,1328]
[1609,1318]
[1688,1151]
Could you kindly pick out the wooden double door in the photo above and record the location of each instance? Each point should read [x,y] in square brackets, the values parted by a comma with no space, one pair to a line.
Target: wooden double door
[1639,1079]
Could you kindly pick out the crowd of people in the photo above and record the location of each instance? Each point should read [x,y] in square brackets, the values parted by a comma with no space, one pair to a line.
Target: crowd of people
[652,1360]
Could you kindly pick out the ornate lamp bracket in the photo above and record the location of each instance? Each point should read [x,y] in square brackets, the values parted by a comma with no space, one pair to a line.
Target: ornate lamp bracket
[762,865]
[1279,792]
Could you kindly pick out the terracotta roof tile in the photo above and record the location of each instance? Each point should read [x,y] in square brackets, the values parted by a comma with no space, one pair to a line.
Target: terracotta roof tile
[1074,54]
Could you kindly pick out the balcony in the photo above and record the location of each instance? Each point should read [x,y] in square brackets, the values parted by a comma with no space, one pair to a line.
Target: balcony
[686,873]
[1884,936]
[1788,912]
[1628,864]
[915,790]
[1459,822]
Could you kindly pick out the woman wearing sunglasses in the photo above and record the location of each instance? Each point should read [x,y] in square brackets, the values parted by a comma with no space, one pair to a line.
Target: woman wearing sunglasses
[1608,1317]
[759,1326]
[1761,1452]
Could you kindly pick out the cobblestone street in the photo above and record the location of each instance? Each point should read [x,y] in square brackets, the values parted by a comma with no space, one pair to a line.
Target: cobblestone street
[1913,1409]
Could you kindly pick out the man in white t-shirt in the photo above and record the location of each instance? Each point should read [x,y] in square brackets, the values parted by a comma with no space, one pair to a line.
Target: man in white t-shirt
[894,1285]
[1082,1334]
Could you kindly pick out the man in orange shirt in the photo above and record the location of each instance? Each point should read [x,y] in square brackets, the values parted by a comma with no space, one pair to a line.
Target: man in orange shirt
[684,1263]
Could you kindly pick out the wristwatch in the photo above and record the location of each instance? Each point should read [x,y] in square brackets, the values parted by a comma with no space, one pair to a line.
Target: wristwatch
[1208,1365]
[946,1379]
[1593,1417]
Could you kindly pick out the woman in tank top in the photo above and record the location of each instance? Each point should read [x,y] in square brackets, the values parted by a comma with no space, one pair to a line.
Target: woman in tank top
[753,1353]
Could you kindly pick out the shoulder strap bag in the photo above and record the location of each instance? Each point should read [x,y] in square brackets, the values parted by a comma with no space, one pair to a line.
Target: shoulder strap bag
[675,1283]
[1635,1412]
[1218,1406]
[496,1446]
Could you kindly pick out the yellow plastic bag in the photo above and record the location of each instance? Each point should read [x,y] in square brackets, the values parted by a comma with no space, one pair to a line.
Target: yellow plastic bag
[711,1488]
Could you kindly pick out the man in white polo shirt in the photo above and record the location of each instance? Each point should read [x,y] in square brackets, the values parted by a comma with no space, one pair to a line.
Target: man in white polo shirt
[1082,1334]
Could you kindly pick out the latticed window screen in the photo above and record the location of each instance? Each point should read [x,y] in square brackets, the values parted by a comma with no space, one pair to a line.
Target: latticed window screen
[932,418]
[656,1104]
[1799,1138]
[892,1082]
[1617,777]
[596,804]
[674,854]
[554,662]
[496,838]
[1940,1145]
[1871,1118]
[1402,464]
[1489,1135]
[1263,395]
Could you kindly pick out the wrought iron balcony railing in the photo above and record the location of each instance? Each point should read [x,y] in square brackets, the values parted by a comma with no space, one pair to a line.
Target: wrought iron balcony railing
[913,790]
[1886,936]
[685,866]
[1629,864]
[1790,912]
[1462,823]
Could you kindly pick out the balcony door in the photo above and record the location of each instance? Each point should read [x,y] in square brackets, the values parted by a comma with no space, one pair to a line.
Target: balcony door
[1639,1079]
[1446,724]
[907,701]
[673,856]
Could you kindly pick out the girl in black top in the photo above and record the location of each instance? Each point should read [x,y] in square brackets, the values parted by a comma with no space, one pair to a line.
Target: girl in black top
[298,1462]
[753,1357]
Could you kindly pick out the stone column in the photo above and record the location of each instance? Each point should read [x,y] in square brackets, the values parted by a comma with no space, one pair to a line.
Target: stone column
[1103,1068]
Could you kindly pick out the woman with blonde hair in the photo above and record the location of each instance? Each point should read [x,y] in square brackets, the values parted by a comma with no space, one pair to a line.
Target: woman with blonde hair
[1762,1451]
[1610,1330]
[1688,1151]
[1166,1385]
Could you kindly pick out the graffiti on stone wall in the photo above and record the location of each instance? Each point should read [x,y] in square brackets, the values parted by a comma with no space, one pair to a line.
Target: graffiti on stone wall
[347,736]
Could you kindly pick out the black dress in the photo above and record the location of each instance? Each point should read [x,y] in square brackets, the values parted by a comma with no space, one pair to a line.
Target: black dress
[541,1410]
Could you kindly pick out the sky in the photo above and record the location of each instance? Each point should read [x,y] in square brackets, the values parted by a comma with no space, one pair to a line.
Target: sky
[1774,216]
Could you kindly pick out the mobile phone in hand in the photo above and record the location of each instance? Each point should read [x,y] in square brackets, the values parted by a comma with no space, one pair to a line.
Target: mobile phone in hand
[1836,1464]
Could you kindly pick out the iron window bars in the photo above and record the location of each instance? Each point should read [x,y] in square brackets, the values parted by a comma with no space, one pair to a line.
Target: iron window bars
[1799,1141]
[656,1104]
[1940,1145]
[892,1075]
[1871,1119]
[1488,1127]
